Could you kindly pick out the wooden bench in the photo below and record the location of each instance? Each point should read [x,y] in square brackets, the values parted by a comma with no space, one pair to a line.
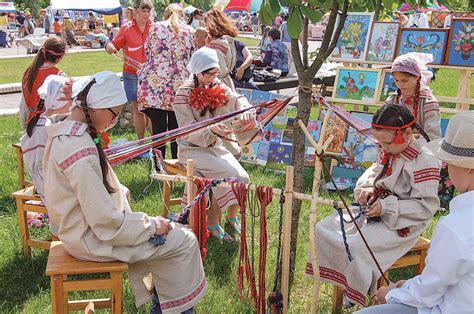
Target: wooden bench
[61,265]
[23,183]
[172,167]
[415,257]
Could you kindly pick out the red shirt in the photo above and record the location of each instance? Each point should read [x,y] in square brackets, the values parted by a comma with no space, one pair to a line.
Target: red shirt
[32,98]
[132,41]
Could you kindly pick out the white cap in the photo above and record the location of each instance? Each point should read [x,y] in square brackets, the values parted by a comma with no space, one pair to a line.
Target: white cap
[106,92]
[50,91]
[203,59]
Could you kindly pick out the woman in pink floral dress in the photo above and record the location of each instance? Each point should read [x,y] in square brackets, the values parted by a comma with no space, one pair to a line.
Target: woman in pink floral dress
[168,50]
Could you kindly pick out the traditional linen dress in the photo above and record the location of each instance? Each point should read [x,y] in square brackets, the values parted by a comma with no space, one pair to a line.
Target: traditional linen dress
[97,226]
[225,48]
[427,113]
[211,158]
[414,184]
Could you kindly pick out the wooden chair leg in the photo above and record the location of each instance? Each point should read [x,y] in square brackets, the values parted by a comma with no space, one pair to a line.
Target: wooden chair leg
[58,295]
[90,309]
[166,198]
[23,225]
[117,292]
[337,296]
[381,282]
[421,265]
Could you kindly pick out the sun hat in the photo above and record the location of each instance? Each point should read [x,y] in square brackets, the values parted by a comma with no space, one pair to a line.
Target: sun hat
[106,92]
[203,59]
[457,147]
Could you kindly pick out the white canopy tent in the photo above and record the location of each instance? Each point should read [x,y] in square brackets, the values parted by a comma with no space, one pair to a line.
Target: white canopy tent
[107,7]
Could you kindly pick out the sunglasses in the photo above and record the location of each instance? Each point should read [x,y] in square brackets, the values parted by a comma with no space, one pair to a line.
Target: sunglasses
[210,74]
[113,112]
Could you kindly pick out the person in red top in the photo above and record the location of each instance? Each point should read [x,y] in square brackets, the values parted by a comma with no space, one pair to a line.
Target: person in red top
[42,66]
[131,38]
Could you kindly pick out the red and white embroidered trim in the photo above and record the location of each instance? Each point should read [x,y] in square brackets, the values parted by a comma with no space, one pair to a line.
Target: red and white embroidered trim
[335,276]
[85,152]
[186,299]
[218,47]
[33,148]
[426,174]
[410,153]
[75,128]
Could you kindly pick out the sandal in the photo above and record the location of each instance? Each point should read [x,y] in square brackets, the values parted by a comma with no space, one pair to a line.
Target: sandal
[218,232]
[235,223]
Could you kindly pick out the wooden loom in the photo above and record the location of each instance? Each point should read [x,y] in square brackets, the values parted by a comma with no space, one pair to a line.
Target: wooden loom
[314,200]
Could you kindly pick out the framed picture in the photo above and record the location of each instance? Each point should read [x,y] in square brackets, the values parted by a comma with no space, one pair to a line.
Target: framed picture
[382,41]
[337,128]
[387,86]
[461,42]
[358,84]
[427,40]
[352,44]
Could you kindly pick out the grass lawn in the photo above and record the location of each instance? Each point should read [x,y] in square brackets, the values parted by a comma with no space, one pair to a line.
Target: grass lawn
[25,289]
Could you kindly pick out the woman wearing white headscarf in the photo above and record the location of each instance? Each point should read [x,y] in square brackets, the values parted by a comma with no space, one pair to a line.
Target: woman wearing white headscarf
[211,158]
[96,223]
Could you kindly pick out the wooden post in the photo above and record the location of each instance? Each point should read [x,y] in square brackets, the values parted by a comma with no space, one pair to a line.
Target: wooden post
[190,187]
[464,88]
[313,207]
[285,277]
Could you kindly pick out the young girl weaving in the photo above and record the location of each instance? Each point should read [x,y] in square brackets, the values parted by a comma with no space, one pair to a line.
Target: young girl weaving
[91,207]
[400,195]
[202,98]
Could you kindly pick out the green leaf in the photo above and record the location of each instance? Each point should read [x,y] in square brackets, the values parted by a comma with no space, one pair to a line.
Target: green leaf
[287,3]
[411,2]
[275,7]
[388,4]
[313,15]
[265,16]
[295,23]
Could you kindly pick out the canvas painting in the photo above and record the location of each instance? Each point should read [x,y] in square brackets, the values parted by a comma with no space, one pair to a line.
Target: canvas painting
[356,84]
[353,42]
[426,40]
[387,86]
[337,128]
[382,42]
[461,42]
[314,129]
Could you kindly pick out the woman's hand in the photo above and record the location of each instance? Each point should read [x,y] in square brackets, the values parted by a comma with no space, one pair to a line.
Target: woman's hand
[382,293]
[375,210]
[221,129]
[364,196]
[67,91]
[110,48]
[239,73]
[162,226]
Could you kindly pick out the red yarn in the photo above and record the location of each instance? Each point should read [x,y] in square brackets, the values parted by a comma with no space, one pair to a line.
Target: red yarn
[213,97]
[265,195]
[199,225]
[240,192]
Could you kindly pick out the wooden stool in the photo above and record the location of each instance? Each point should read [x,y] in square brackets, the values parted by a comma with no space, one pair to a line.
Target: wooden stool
[60,265]
[21,167]
[415,257]
[26,201]
[172,167]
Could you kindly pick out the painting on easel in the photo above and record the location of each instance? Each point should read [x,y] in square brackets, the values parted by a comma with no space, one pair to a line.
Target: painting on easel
[387,86]
[461,42]
[356,84]
[426,40]
[382,42]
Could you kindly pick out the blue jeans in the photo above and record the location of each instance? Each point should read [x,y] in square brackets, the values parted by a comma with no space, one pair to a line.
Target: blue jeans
[156,308]
[130,84]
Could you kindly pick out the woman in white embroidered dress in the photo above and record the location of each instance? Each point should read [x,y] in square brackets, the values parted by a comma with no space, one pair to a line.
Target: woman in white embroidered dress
[92,209]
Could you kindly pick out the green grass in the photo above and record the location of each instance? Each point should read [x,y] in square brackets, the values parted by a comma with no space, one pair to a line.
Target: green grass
[249,41]
[73,64]
[25,289]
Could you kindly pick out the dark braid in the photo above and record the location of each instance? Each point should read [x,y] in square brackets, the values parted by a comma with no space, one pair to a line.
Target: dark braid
[104,164]
[416,98]
[32,123]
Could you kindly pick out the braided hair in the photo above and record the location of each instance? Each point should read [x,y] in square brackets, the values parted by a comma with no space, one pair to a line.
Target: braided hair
[32,123]
[104,164]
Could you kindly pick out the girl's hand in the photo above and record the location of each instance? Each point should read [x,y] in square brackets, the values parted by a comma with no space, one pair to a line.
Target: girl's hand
[375,210]
[67,91]
[162,226]
[221,129]
[247,117]
[364,197]
[382,292]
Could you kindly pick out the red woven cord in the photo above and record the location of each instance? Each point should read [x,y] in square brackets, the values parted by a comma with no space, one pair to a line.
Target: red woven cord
[199,225]
[265,196]
[240,192]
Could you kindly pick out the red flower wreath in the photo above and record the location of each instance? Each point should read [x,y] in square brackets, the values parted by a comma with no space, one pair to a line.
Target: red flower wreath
[213,97]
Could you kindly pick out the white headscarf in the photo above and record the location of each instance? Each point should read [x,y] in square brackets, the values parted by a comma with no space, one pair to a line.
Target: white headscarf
[415,64]
[106,92]
[50,91]
[203,59]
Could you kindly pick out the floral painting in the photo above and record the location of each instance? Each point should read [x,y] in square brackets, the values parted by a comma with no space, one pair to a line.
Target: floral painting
[461,42]
[426,40]
[387,86]
[356,84]
[382,42]
[352,44]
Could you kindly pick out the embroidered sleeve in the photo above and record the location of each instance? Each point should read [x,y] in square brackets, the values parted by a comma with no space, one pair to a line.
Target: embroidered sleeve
[366,182]
[110,224]
[222,50]
[423,202]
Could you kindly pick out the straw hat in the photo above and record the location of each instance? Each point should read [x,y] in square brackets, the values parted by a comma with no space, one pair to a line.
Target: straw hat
[27,13]
[457,147]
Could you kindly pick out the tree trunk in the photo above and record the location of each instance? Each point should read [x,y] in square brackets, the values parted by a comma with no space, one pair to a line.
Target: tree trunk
[378,8]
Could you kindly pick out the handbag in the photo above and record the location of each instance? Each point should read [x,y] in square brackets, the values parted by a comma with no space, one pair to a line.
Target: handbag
[264,76]
[248,73]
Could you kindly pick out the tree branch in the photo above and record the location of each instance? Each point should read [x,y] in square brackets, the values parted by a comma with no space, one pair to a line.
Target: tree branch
[305,42]
[337,33]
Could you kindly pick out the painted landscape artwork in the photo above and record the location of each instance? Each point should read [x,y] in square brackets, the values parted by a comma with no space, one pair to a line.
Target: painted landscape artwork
[356,84]
[461,43]
[352,44]
[383,40]
[387,86]
[427,40]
